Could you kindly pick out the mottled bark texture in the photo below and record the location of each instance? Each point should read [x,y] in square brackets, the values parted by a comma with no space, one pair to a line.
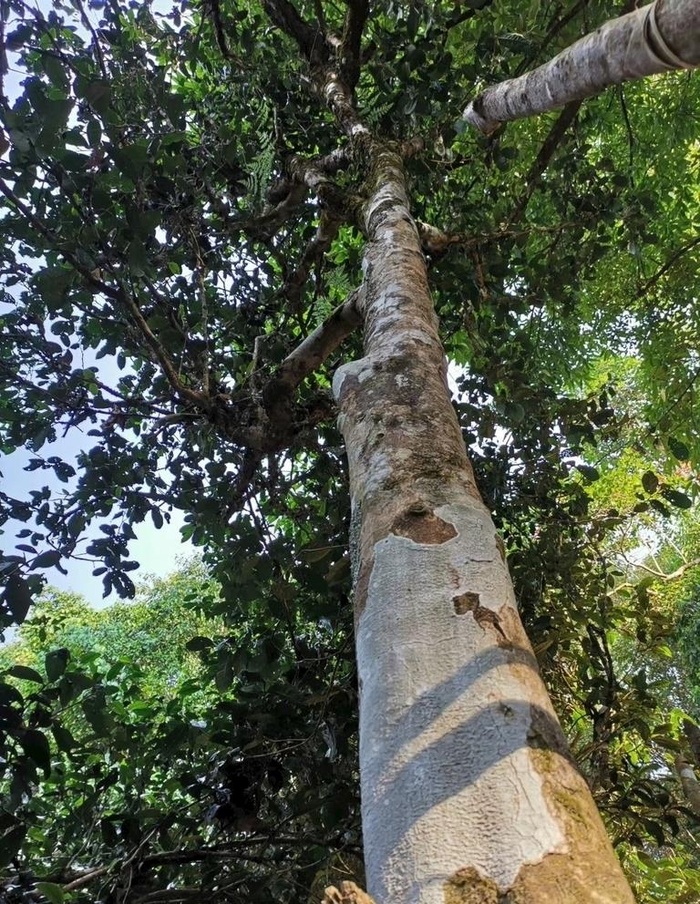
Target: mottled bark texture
[469,793]
[689,783]
[657,38]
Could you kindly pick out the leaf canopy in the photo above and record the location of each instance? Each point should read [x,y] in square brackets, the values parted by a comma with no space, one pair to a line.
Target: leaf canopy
[180,222]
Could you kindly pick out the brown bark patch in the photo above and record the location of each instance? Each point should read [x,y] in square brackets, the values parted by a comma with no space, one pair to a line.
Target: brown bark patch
[552,880]
[589,863]
[556,880]
[361,588]
[465,602]
[423,526]
[501,547]
[468,886]
[486,618]
[347,893]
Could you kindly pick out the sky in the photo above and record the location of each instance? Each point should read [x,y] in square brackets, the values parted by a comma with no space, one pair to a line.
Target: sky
[157,551]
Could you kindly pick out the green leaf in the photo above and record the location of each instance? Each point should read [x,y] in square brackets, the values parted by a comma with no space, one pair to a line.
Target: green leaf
[48,559]
[199,643]
[650,481]
[10,844]
[94,133]
[514,412]
[63,738]
[660,507]
[24,673]
[94,91]
[591,474]
[36,745]
[17,597]
[52,892]
[678,449]
[55,663]
[675,497]
[55,70]
[9,695]
[94,710]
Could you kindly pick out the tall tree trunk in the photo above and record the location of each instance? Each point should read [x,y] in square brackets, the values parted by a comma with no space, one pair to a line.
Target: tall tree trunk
[469,792]
[657,38]
[689,783]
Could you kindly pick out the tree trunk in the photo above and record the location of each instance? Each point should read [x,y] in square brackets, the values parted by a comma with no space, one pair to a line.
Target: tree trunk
[689,783]
[469,792]
[657,38]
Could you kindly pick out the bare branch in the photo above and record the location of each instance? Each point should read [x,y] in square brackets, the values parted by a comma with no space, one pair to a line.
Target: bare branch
[347,893]
[657,38]
[689,783]
[351,45]
[672,576]
[436,242]
[286,17]
[292,289]
[317,346]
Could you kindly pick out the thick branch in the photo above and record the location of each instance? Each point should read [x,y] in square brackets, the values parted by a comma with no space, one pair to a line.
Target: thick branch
[689,783]
[657,38]
[436,242]
[317,346]
[674,575]
[337,94]
[348,893]
[272,220]
[692,733]
[286,17]
[350,48]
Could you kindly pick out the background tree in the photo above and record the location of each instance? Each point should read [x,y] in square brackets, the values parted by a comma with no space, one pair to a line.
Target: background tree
[163,217]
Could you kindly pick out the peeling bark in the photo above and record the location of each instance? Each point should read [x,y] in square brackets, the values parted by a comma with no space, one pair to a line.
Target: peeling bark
[469,794]
[660,37]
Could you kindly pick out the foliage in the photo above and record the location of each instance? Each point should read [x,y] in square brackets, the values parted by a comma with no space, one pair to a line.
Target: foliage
[179,213]
[140,764]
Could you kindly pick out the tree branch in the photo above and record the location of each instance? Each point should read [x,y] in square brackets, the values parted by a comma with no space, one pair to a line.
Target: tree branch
[678,573]
[653,280]
[348,893]
[313,253]
[544,157]
[436,242]
[351,45]
[285,16]
[689,783]
[317,346]
[185,393]
[657,38]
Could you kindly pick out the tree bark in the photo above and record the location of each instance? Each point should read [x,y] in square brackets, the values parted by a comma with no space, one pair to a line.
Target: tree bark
[662,36]
[689,783]
[468,790]
[692,733]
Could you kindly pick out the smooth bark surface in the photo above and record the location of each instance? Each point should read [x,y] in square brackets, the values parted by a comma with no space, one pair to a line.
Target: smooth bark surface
[657,38]
[468,790]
